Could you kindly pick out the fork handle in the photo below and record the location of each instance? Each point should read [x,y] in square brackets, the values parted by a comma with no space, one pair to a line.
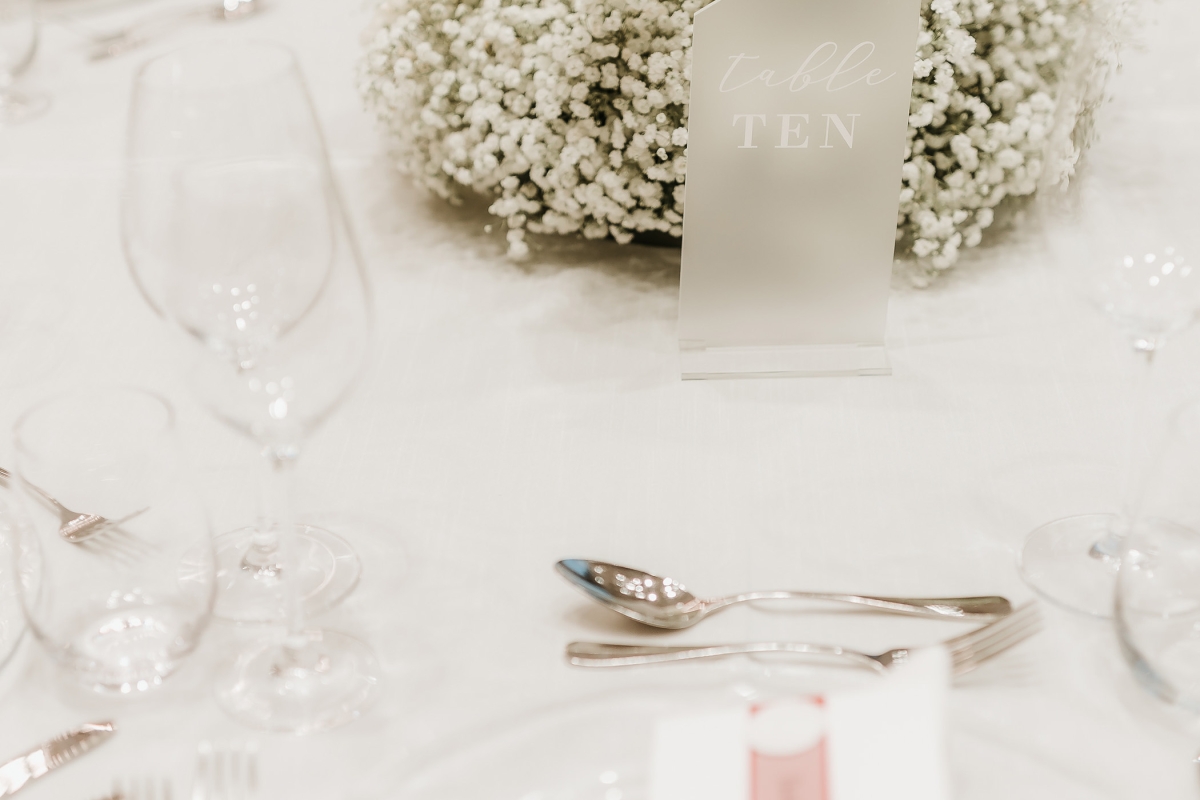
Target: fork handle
[59,507]
[954,607]
[596,654]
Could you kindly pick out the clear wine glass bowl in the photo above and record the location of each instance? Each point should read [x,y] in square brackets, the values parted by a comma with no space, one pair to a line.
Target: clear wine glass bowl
[1138,240]
[234,231]
[122,607]
[1121,236]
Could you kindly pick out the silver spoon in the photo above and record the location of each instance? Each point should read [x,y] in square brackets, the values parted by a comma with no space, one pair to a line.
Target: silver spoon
[143,30]
[665,603]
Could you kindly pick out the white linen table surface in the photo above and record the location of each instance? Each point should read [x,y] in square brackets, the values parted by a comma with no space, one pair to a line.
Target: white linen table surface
[515,414]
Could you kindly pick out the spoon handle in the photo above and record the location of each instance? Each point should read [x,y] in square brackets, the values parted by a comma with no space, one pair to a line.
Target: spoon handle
[595,654]
[953,607]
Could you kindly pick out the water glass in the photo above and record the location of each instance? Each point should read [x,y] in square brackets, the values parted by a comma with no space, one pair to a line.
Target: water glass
[118,601]
[18,43]
[1157,608]
[1158,611]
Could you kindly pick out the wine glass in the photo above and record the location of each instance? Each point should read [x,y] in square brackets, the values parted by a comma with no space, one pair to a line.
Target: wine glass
[1121,231]
[18,43]
[1157,608]
[123,603]
[235,231]
[232,228]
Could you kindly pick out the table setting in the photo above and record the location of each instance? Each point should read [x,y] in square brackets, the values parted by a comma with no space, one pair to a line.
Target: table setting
[376,425]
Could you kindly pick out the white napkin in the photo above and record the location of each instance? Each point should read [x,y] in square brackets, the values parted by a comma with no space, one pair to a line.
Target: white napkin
[883,741]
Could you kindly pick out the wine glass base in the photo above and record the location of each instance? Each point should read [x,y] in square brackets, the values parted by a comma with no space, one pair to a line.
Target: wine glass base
[1057,561]
[329,570]
[324,684]
[16,108]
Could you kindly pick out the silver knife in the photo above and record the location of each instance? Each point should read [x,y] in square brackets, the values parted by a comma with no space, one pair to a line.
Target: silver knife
[51,755]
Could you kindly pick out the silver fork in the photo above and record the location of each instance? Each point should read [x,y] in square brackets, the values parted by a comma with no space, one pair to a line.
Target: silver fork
[967,651]
[86,530]
[144,789]
[226,771]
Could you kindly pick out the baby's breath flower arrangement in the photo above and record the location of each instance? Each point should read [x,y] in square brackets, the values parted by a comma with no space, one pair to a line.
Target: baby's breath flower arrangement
[572,115]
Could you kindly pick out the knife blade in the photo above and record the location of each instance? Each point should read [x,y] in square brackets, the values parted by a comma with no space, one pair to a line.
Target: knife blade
[15,774]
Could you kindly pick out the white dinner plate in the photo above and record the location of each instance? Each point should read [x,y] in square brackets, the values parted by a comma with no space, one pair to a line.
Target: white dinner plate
[598,748]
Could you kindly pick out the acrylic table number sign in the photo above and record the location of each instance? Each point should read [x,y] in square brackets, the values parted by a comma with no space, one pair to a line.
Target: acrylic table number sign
[796,137]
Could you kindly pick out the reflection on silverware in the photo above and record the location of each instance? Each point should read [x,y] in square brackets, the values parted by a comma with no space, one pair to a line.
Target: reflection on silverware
[15,774]
[665,603]
[967,651]
[92,531]
[226,771]
[143,30]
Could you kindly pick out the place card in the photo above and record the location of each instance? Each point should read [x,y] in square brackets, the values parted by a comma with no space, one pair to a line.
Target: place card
[882,741]
[796,133]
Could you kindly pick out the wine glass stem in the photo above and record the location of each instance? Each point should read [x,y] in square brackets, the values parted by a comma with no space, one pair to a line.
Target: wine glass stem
[263,557]
[281,510]
[1134,466]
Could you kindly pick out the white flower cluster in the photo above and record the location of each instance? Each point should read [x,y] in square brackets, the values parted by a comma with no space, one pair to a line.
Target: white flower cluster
[573,115]
[991,89]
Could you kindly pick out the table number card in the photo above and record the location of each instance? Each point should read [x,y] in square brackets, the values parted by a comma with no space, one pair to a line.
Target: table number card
[796,134]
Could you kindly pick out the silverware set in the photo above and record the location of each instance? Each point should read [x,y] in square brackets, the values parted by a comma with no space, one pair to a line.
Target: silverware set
[662,602]
[224,771]
[230,771]
[665,603]
[967,651]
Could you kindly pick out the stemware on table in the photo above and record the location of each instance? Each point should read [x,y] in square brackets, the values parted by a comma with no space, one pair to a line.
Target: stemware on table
[232,228]
[18,43]
[122,618]
[1122,234]
[1157,609]
[235,232]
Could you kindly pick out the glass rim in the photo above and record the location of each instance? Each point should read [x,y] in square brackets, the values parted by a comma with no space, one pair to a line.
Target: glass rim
[22,448]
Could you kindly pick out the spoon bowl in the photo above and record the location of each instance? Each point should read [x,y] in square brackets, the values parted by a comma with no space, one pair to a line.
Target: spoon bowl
[665,602]
[646,598]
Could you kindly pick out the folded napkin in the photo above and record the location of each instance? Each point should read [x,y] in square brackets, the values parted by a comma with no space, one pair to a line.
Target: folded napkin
[882,741]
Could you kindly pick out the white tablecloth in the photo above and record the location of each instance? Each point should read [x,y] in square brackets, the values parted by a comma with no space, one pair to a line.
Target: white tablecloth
[518,414]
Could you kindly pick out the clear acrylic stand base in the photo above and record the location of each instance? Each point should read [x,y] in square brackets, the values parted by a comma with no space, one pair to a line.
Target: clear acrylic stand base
[789,361]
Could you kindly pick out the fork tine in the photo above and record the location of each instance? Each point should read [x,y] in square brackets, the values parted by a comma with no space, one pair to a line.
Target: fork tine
[999,644]
[102,548]
[118,545]
[966,658]
[200,786]
[226,771]
[1016,619]
[251,770]
[135,543]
